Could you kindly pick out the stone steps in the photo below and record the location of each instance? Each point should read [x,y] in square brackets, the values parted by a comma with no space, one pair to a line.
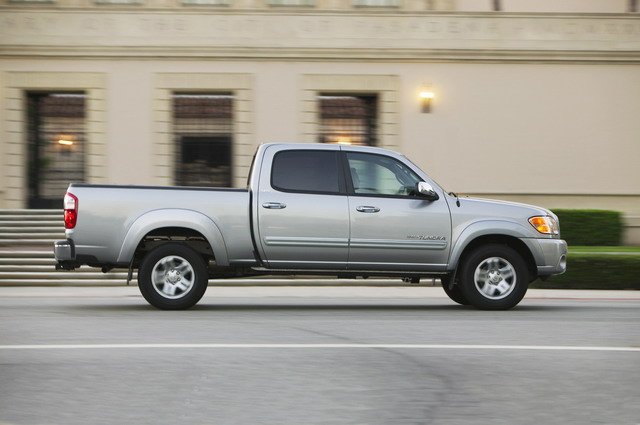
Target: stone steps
[26,252]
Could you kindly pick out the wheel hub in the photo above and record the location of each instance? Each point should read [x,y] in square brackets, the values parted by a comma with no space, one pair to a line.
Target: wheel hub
[494,277]
[173,276]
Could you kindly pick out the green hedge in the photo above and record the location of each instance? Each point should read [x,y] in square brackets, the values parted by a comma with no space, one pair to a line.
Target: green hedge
[596,271]
[590,227]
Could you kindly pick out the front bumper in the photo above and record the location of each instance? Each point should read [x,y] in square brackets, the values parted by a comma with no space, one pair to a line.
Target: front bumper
[553,257]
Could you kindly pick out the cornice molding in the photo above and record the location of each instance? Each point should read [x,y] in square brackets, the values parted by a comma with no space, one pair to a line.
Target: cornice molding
[253,35]
[325,55]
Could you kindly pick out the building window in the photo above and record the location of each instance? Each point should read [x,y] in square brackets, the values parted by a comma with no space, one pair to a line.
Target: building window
[117,2]
[206,2]
[348,119]
[56,146]
[375,3]
[295,3]
[203,134]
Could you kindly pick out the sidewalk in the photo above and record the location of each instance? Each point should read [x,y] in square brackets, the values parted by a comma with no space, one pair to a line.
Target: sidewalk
[304,292]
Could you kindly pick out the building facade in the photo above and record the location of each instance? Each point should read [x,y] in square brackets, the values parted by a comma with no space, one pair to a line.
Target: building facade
[526,100]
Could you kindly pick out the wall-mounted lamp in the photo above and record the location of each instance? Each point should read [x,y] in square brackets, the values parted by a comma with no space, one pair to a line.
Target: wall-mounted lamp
[66,144]
[426,96]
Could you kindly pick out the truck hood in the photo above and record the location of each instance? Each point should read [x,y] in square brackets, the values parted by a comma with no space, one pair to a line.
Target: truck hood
[474,212]
[504,206]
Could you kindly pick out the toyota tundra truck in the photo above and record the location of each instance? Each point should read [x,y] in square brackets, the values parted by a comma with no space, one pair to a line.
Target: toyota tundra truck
[312,209]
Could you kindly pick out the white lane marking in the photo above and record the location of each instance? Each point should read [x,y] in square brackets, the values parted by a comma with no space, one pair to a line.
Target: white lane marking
[320,346]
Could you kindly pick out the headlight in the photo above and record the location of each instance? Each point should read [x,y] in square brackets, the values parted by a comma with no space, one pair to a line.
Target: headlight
[545,224]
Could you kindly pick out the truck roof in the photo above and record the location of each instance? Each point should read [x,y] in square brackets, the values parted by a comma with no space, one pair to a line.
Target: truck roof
[331,146]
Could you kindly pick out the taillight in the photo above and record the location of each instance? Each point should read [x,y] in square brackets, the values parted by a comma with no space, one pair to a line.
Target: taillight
[70,210]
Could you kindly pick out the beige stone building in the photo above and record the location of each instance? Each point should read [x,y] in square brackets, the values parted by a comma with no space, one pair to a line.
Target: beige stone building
[532,100]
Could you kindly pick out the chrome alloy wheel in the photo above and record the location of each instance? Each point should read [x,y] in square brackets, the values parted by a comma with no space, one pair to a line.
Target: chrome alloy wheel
[495,278]
[173,277]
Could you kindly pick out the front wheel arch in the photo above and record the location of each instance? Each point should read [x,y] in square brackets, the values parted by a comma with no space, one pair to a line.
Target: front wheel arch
[510,241]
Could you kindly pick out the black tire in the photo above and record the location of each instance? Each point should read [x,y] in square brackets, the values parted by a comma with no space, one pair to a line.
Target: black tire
[453,291]
[494,277]
[173,277]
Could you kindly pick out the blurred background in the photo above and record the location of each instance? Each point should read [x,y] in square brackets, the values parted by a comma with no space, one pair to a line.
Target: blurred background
[533,101]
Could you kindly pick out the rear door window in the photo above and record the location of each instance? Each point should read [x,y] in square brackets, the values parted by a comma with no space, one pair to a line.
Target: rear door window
[307,171]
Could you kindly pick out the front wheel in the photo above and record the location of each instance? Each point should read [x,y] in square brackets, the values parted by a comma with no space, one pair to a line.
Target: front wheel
[453,290]
[172,277]
[494,277]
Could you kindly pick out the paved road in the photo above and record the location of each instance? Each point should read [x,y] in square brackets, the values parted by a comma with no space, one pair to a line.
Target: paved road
[355,356]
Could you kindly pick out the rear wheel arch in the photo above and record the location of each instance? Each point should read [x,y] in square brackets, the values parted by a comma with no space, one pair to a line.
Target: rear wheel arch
[172,224]
[182,235]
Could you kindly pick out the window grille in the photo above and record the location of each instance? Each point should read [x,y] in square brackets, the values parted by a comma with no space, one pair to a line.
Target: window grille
[207,2]
[305,3]
[375,3]
[135,2]
[203,134]
[32,1]
[56,146]
[348,119]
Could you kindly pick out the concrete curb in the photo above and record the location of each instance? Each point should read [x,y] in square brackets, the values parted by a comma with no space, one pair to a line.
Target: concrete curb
[242,282]
[304,292]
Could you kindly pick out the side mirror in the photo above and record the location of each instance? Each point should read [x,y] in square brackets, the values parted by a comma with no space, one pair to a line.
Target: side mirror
[425,190]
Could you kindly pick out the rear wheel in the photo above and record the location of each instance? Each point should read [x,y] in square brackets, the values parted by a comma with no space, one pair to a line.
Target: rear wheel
[172,277]
[494,277]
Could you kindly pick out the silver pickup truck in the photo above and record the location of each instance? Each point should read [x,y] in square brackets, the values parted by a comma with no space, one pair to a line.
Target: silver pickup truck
[312,209]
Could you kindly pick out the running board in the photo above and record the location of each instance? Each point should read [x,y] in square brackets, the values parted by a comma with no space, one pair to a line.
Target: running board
[351,274]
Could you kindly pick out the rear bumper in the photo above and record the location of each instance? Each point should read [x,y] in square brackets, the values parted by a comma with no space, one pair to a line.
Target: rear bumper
[553,255]
[64,250]
[65,254]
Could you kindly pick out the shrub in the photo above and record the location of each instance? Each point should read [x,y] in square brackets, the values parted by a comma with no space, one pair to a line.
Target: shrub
[590,227]
[596,271]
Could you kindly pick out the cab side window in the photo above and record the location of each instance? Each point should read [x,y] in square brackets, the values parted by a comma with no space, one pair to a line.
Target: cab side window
[373,174]
[306,171]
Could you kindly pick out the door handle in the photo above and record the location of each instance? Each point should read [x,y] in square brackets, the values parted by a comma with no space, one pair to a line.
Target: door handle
[367,209]
[274,205]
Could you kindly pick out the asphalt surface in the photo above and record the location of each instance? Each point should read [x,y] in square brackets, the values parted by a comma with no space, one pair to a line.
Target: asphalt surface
[281,355]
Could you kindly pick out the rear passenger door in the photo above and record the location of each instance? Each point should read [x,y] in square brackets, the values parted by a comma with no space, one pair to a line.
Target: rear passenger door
[303,209]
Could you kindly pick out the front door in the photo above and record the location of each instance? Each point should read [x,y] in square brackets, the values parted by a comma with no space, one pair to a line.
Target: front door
[391,227]
[302,209]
